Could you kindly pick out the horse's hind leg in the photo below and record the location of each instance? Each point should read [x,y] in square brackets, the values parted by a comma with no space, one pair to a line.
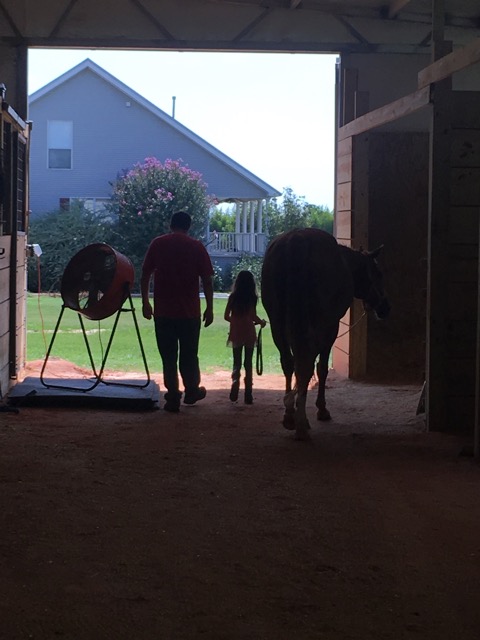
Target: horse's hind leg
[286,360]
[303,372]
[322,372]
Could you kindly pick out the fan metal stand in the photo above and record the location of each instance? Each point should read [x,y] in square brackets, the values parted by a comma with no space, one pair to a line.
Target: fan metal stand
[98,376]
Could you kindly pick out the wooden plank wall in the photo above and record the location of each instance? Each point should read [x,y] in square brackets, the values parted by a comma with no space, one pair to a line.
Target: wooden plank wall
[21,302]
[398,217]
[14,143]
[20,309]
[343,233]
[4,311]
[462,287]
[351,229]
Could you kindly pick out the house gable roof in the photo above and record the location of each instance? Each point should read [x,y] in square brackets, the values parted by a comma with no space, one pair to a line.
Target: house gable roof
[87,64]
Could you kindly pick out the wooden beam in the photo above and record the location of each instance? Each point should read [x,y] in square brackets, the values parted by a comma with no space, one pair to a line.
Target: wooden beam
[252,24]
[152,19]
[390,112]
[396,6]
[10,21]
[446,66]
[62,18]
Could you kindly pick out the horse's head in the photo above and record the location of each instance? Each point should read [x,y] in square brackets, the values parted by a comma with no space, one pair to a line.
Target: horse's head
[369,284]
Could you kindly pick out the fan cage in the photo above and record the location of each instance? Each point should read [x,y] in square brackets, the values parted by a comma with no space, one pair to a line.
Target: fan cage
[97,281]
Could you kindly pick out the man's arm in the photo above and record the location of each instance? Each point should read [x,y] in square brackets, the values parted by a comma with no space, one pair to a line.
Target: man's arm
[145,289]
[207,283]
[228,311]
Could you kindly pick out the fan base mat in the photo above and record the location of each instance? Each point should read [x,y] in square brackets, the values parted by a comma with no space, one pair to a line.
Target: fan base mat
[31,392]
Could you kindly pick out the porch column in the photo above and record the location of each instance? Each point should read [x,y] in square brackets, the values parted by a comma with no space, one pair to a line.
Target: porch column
[237,217]
[243,237]
[238,237]
[260,234]
[252,226]
[260,216]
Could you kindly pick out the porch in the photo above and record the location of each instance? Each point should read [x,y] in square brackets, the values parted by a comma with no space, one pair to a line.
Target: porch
[248,236]
[234,244]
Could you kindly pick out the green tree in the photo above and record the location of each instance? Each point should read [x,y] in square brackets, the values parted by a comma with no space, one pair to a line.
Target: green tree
[145,197]
[293,212]
[320,217]
[223,221]
[61,234]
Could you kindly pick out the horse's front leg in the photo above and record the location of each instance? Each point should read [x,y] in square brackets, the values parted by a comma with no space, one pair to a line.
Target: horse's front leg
[322,372]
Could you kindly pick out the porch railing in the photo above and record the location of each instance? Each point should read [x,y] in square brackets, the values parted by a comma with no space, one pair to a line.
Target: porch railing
[222,242]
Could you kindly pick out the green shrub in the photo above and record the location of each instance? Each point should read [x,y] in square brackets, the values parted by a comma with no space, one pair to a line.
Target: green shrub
[61,234]
[249,263]
[145,197]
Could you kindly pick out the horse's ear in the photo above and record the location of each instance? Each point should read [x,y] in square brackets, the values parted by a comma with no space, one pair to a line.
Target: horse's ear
[376,252]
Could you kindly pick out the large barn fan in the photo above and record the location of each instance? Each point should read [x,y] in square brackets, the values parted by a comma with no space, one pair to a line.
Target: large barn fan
[96,283]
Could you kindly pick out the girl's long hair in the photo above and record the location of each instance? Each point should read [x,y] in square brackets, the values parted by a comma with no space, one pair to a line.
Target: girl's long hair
[244,294]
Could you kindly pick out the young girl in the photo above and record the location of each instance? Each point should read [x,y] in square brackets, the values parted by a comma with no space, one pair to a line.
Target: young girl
[241,313]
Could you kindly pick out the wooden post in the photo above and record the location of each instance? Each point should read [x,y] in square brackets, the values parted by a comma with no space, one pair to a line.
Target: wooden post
[476,438]
[438,216]
[349,89]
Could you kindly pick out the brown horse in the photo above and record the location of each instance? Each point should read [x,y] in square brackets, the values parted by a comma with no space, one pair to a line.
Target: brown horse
[308,283]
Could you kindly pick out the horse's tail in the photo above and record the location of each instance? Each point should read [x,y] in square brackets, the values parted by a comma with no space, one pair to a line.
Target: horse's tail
[297,260]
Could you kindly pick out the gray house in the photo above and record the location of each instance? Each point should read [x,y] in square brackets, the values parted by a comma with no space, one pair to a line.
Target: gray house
[88,126]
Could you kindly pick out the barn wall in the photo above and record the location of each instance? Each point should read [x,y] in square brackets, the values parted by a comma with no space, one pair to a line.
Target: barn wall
[351,220]
[13,223]
[462,286]
[398,216]
[4,311]
[13,74]
[21,303]
[383,199]
[385,78]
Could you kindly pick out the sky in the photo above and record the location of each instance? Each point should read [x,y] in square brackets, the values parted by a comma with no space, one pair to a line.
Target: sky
[271,113]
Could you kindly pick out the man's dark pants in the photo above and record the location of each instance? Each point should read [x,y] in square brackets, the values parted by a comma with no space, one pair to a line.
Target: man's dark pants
[177,339]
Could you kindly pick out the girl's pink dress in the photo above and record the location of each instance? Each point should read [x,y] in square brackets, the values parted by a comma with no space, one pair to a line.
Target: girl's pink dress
[242,330]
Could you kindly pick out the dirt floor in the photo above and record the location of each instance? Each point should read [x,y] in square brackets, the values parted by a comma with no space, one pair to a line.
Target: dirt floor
[215,523]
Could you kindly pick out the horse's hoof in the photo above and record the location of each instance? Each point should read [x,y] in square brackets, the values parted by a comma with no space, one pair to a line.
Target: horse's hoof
[323,415]
[302,435]
[288,423]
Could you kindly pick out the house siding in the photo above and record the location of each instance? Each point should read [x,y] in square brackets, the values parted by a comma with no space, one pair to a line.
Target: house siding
[109,137]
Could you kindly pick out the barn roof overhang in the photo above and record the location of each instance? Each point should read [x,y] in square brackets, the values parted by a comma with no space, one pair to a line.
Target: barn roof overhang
[390,26]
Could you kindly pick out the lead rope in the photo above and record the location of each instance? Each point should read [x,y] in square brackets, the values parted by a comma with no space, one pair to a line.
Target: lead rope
[259,362]
[351,326]
[343,334]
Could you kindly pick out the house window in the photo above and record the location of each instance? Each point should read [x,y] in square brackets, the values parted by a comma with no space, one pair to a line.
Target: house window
[94,205]
[60,139]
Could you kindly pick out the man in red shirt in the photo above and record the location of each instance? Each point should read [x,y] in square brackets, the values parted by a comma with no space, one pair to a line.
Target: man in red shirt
[177,263]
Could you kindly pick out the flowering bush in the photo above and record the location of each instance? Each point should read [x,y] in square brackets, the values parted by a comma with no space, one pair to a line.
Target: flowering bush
[145,197]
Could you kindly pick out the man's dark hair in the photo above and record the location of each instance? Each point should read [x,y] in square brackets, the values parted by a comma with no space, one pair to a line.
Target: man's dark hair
[181,220]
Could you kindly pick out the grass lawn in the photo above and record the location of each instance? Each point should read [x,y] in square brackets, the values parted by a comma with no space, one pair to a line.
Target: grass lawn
[125,355]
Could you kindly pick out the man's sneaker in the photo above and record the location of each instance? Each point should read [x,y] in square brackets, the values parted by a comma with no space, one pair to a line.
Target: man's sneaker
[171,406]
[191,397]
